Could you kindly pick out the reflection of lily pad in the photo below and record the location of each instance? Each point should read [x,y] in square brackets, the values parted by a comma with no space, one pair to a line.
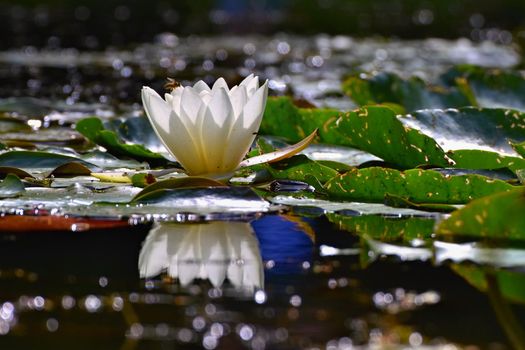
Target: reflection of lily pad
[511,284]
[385,228]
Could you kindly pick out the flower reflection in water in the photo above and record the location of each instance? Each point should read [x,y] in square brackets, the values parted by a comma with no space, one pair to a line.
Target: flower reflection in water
[216,251]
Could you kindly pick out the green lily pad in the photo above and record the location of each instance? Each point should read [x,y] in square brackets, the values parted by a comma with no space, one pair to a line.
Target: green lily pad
[39,160]
[283,118]
[93,129]
[470,128]
[412,93]
[376,130]
[492,87]
[11,186]
[400,202]
[479,159]
[419,186]
[178,183]
[299,168]
[498,216]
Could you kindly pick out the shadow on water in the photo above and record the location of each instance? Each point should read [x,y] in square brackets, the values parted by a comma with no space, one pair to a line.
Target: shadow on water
[201,285]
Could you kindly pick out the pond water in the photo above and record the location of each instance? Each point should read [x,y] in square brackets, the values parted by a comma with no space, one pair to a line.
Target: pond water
[237,271]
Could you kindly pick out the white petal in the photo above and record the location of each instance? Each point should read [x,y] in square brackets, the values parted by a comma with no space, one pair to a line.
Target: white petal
[168,98]
[185,146]
[254,109]
[219,83]
[190,105]
[216,127]
[247,80]
[157,110]
[252,86]
[238,98]
[201,86]
[237,144]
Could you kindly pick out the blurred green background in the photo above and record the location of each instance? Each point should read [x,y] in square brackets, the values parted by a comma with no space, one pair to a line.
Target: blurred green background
[98,24]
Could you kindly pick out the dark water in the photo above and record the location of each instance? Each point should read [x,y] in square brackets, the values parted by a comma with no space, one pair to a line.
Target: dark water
[279,282]
[83,290]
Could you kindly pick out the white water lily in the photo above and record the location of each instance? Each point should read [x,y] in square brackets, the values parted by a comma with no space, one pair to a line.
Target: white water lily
[216,251]
[207,130]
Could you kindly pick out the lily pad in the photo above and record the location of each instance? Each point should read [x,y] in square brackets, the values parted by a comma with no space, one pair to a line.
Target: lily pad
[11,186]
[412,93]
[39,160]
[376,130]
[470,128]
[93,129]
[492,87]
[479,159]
[499,216]
[415,185]
[178,183]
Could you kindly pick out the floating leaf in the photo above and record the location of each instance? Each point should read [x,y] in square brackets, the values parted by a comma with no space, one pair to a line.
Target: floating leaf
[69,170]
[470,128]
[376,130]
[399,202]
[419,186]
[209,199]
[93,129]
[412,93]
[479,159]
[39,160]
[21,173]
[492,87]
[11,186]
[496,216]
[299,168]
[178,182]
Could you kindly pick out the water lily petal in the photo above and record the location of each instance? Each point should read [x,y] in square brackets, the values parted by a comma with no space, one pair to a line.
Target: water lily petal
[280,154]
[252,86]
[238,98]
[168,98]
[246,81]
[184,147]
[254,109]
[217,123]
[201,86]
[190,105]
[219,83]
[157,110]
